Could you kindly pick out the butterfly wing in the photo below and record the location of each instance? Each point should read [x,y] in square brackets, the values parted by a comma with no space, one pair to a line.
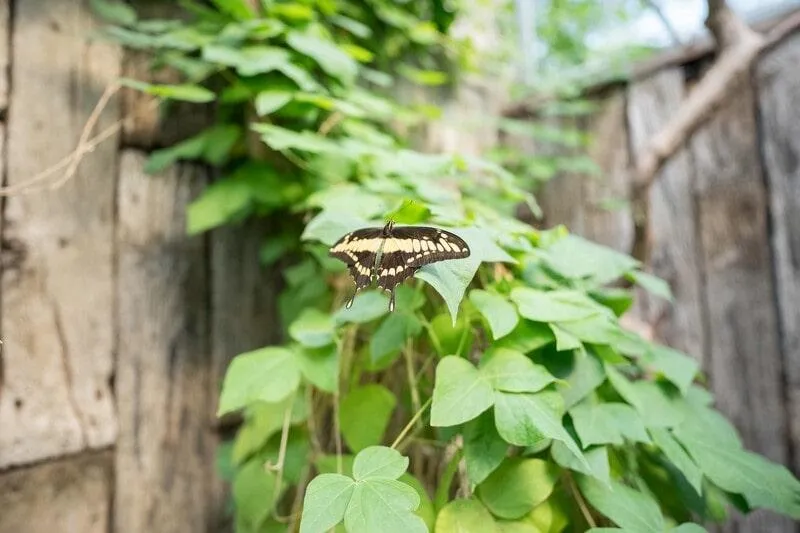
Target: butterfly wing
[358,250]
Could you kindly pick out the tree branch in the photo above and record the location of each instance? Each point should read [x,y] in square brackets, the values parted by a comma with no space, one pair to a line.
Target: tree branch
[738,48]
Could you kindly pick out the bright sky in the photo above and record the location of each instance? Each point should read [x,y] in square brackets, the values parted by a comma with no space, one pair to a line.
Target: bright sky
[686,17]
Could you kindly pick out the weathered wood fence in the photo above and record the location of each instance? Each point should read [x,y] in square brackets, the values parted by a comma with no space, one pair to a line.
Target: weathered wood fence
[726,234]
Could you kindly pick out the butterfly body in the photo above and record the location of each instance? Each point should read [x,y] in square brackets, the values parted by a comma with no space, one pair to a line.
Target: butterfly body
[393,254]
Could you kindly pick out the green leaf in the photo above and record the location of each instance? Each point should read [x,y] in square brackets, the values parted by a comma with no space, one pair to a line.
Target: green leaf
[633,511]
[114,11]
[280,139]
[651,284]
[238,9]
[365,414]
[248,60]
[185,92]
[384,505]
[367,306]
[499,313]
[379,462]
[595,424]
[722,460]
[320,366]
[565,340]
[460,393]
[269,374]
[677,367]
[270,101]
[656,406]
[519,485]
[254,491]
[677,455]
[327,55]
[524,419]
[587,374]
[422,77]
[465,516]
[596,458]
[688,528]
[628,422]
[313,328]
[484,448]
[552,306]
[510,371]
[262,421]
[329,226]
[391,337]
[326,501]
[526,337]
[577,258]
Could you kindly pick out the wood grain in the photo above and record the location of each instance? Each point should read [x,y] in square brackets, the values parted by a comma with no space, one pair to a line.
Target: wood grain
[57,245]
[745,362]
[779,104]
[651,102]
[165,452]
[70,495]
[605,222]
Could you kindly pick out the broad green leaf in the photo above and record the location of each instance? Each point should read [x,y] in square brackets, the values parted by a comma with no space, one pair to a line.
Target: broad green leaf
[114,11]
[633,511]
[313,328]
[596,458]
[349,198]
[550,516]
[379,462]
[364,414]
[182,92]
[587,374]
[391,337]
[451,339]
[577,258]
[248,60]
[326,501]
[565,340]
[523,419]
[293,11]
[238,9]
[320,366]
[596,329]
[657,407]
[516,526]
[527,337]
[484,448]
[367,306]
[517,486]
[384,505]
[269,374]
[270,101]
[254,491]
[423,77]
[262,421]
[651,284]
[451,278]
[677,456]
[460,393]
[499,313]
[723,461]
[409,212]
[688,528]
[595,424]
[280,139]
[552,306]
[511,371]
[628,422]
[677,367]
[330,58]
[328,227]
[465,516]
[353,26]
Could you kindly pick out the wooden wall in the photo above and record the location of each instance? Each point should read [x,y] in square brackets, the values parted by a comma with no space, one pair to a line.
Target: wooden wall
[726,229]
[116,326]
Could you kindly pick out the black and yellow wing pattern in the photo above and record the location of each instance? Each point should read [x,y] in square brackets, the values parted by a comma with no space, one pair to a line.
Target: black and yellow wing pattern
[392,254]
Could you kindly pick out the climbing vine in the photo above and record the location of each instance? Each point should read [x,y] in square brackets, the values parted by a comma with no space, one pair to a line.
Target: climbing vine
[502,395]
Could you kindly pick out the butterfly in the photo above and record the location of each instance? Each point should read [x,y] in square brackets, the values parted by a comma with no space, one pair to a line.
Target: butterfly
[392,254]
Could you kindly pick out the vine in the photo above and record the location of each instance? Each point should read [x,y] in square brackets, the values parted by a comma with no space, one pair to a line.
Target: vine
[503,384]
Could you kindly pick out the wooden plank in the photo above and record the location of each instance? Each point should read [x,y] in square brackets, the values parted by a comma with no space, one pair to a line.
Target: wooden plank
[165,452]
[148,126]
[779,85]
[744,347]
[651,103]
[58,244]
[69,496]
[5,59]
[244,316]
[605,223]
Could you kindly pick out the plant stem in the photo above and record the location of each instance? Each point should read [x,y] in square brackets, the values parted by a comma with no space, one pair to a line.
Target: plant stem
[408,354]
[581,502]
[287,421]
[411,423]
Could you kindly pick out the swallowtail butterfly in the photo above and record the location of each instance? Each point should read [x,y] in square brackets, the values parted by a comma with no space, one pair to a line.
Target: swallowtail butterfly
[392,254]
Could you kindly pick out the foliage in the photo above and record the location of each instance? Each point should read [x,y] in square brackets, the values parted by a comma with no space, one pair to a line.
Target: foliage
[562,419]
